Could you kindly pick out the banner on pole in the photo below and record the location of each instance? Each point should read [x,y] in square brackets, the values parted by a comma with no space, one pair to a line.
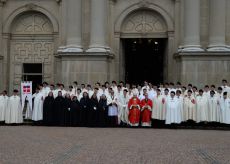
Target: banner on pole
[26,93]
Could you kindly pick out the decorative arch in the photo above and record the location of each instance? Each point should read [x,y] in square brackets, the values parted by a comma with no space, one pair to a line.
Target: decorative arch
[28,8]
[32,23]
[138,7]
[144,21]
[30,30]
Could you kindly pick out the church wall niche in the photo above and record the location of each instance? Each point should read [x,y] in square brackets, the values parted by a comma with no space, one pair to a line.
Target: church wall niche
[31,41]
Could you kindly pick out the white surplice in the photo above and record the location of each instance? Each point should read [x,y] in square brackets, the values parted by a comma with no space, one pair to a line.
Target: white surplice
[202,108]
[214,109]
[38,107]
[13,113]
[159,108]
[173,114]
[3,106]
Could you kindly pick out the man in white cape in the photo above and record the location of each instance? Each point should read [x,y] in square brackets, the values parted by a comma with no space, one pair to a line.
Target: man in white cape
[189,107]
[159,106]
[225,108]
[38,106]
[180,99]
[201,107]
[123,101]
[3,105]
[13,113]
[213,107]
[173,114]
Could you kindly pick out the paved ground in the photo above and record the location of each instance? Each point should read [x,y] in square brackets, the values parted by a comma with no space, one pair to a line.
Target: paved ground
[30,144]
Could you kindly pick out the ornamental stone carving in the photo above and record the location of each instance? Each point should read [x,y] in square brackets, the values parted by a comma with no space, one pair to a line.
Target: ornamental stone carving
[32,23]
[32,52]
[144,22]
[31,42]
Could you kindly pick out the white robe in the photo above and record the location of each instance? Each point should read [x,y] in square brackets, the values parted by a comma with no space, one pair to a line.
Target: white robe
[181,106]
[159,108]
[14,112]
[141,97]
[103,92]
[226,89]
[207,94]
[45,91]
[202,108]
[123,109]
[135,91]
[173,114]
[189,108]
[3,106]
[38,107]
[214,109]
[151,94]
[113,109]
[225,110]
[71,93]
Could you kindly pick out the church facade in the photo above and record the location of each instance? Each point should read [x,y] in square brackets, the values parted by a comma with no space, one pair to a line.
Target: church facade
[104,40]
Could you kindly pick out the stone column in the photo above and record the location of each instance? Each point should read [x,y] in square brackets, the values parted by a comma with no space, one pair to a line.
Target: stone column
[217,31]
[99,22]
[73,26]
[191,41]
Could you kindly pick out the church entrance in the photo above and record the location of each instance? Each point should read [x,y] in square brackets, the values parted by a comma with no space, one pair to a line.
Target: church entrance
[31,49]
[33,72]
[144,60]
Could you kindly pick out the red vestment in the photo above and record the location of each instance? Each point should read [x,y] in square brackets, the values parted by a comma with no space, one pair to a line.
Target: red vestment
[134,110]
[146,106]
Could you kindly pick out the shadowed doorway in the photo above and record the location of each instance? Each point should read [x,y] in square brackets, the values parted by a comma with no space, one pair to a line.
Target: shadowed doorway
[33,72]
[144,60]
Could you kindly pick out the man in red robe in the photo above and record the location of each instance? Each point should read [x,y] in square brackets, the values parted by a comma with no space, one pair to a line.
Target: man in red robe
[134,111]
[146,111]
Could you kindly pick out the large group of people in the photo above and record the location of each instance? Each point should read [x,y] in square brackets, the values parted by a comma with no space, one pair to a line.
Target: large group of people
[123,104]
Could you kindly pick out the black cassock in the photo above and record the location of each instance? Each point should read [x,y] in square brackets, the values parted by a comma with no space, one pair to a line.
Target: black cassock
[58,110]
[75,113]
[65,117]
[103,113]
[85,106]
[93,114]
[48,110]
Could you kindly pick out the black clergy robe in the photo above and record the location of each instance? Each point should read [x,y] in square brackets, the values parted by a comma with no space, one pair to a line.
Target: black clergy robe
[85,106]
[58,110]
[48,111]
[75,113]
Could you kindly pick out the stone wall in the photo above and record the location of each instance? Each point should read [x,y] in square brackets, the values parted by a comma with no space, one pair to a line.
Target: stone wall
[86,38]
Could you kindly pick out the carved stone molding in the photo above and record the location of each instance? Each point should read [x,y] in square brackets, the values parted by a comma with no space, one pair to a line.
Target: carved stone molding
[32,23]
[144,3]
[31,6]
[32,52]
[31,43]
[144,21]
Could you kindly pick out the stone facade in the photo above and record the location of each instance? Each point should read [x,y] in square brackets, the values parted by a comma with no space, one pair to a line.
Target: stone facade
[82,39]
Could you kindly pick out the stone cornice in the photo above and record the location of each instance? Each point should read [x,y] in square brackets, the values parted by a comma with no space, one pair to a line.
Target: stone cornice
[85,55]
[202,56]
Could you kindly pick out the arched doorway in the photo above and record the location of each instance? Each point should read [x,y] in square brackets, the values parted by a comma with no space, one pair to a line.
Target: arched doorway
[144,59]
[144,43]
[31,49]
